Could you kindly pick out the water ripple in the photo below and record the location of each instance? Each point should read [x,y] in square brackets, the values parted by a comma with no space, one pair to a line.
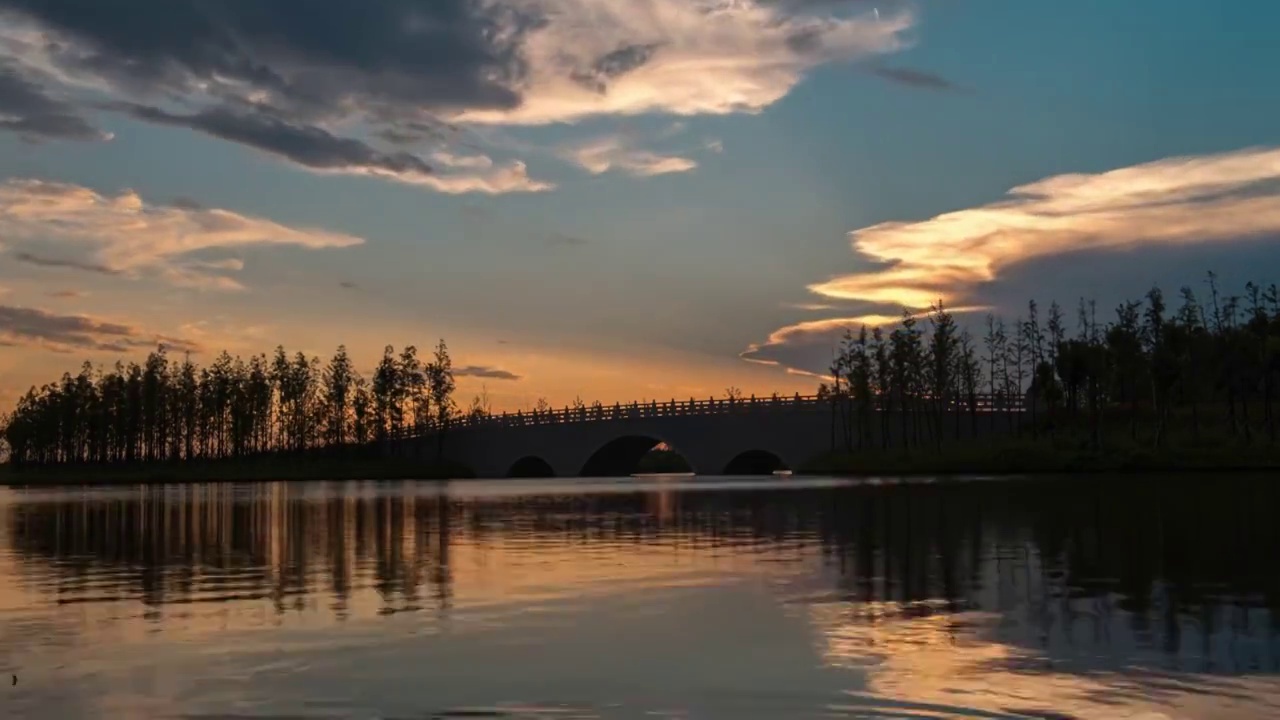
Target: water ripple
[735,598]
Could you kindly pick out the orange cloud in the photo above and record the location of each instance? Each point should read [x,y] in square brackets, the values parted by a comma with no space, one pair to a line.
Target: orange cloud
[811,344]
[603,57]
[1176,201]
[614,152]
[126,236]
[1212,198]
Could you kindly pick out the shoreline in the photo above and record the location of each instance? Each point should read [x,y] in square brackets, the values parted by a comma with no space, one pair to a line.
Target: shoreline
[228,472]
[1007,463]
[1046,458]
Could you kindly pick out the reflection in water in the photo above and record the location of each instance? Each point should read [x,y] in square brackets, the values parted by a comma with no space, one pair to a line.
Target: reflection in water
[780,598]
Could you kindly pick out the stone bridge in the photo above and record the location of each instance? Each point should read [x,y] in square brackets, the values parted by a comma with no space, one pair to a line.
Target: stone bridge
[740,436]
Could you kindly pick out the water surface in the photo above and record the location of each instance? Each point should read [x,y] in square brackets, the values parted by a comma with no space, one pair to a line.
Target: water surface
[643,598]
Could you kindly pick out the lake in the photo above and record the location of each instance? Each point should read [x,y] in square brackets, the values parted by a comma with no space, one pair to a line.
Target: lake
[688,598]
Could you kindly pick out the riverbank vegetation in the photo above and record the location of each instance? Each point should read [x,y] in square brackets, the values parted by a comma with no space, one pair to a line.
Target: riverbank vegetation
[1152,387]
[282,416]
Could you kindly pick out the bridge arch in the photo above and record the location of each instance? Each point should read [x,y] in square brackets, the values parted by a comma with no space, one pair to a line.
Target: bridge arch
[622,456]
[754,462]
[531,466]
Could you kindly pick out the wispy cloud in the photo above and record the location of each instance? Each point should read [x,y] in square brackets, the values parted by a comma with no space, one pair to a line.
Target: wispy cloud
[807,347]
[48,262]
[1183,200]
[914,78]
[125,236]
[614,152]
[67,294]
[319,150]
[487,372]
[1219,198]
[28,109]
[33,327]
[811,306]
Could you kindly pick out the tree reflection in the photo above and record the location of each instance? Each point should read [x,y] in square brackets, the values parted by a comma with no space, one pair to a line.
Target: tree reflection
[1089,571]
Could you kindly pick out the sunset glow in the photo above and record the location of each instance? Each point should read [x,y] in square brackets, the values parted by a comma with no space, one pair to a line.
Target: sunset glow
[598,200]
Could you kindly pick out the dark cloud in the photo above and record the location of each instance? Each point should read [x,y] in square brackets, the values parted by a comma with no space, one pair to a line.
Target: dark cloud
[412,132]
[48,262]
[484,371]
[66,294]
[309,56]
[915,78]
[306,145]
[347,285]
[613,65]
[27,109]
[32,326]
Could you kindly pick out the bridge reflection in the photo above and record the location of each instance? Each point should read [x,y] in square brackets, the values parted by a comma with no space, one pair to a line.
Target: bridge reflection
[1161,573]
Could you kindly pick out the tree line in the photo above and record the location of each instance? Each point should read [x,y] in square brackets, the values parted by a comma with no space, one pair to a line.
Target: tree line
[166,410]
[1209,368]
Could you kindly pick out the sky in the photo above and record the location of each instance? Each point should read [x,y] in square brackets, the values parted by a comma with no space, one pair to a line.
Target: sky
[612,200]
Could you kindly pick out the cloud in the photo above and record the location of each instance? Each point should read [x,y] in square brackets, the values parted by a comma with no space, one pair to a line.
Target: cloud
[810,306]
[914,78]
[1217,198]
[229,264]
[473,162]
[683,57]
[67,294]
[284,76]
[318,150]
[806,348]
[309,57]
[25,326]
[347,285]
[1182,200]
[485,371]
[614,152]
[125,236]
[47,262]
[228,333]
[28,109]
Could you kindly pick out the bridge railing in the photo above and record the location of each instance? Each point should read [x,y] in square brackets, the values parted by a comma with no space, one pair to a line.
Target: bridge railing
[598,412]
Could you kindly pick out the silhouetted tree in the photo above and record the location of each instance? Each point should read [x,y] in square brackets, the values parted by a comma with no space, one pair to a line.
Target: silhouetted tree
[441,385]
[163,411]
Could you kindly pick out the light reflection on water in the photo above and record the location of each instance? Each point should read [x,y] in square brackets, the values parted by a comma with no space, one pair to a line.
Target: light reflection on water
[668,597]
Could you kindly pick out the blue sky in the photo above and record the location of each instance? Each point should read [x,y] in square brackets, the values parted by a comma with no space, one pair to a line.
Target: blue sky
[623,197]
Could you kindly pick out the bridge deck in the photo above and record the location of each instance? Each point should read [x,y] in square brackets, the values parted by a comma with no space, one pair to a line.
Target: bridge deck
[982,403]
